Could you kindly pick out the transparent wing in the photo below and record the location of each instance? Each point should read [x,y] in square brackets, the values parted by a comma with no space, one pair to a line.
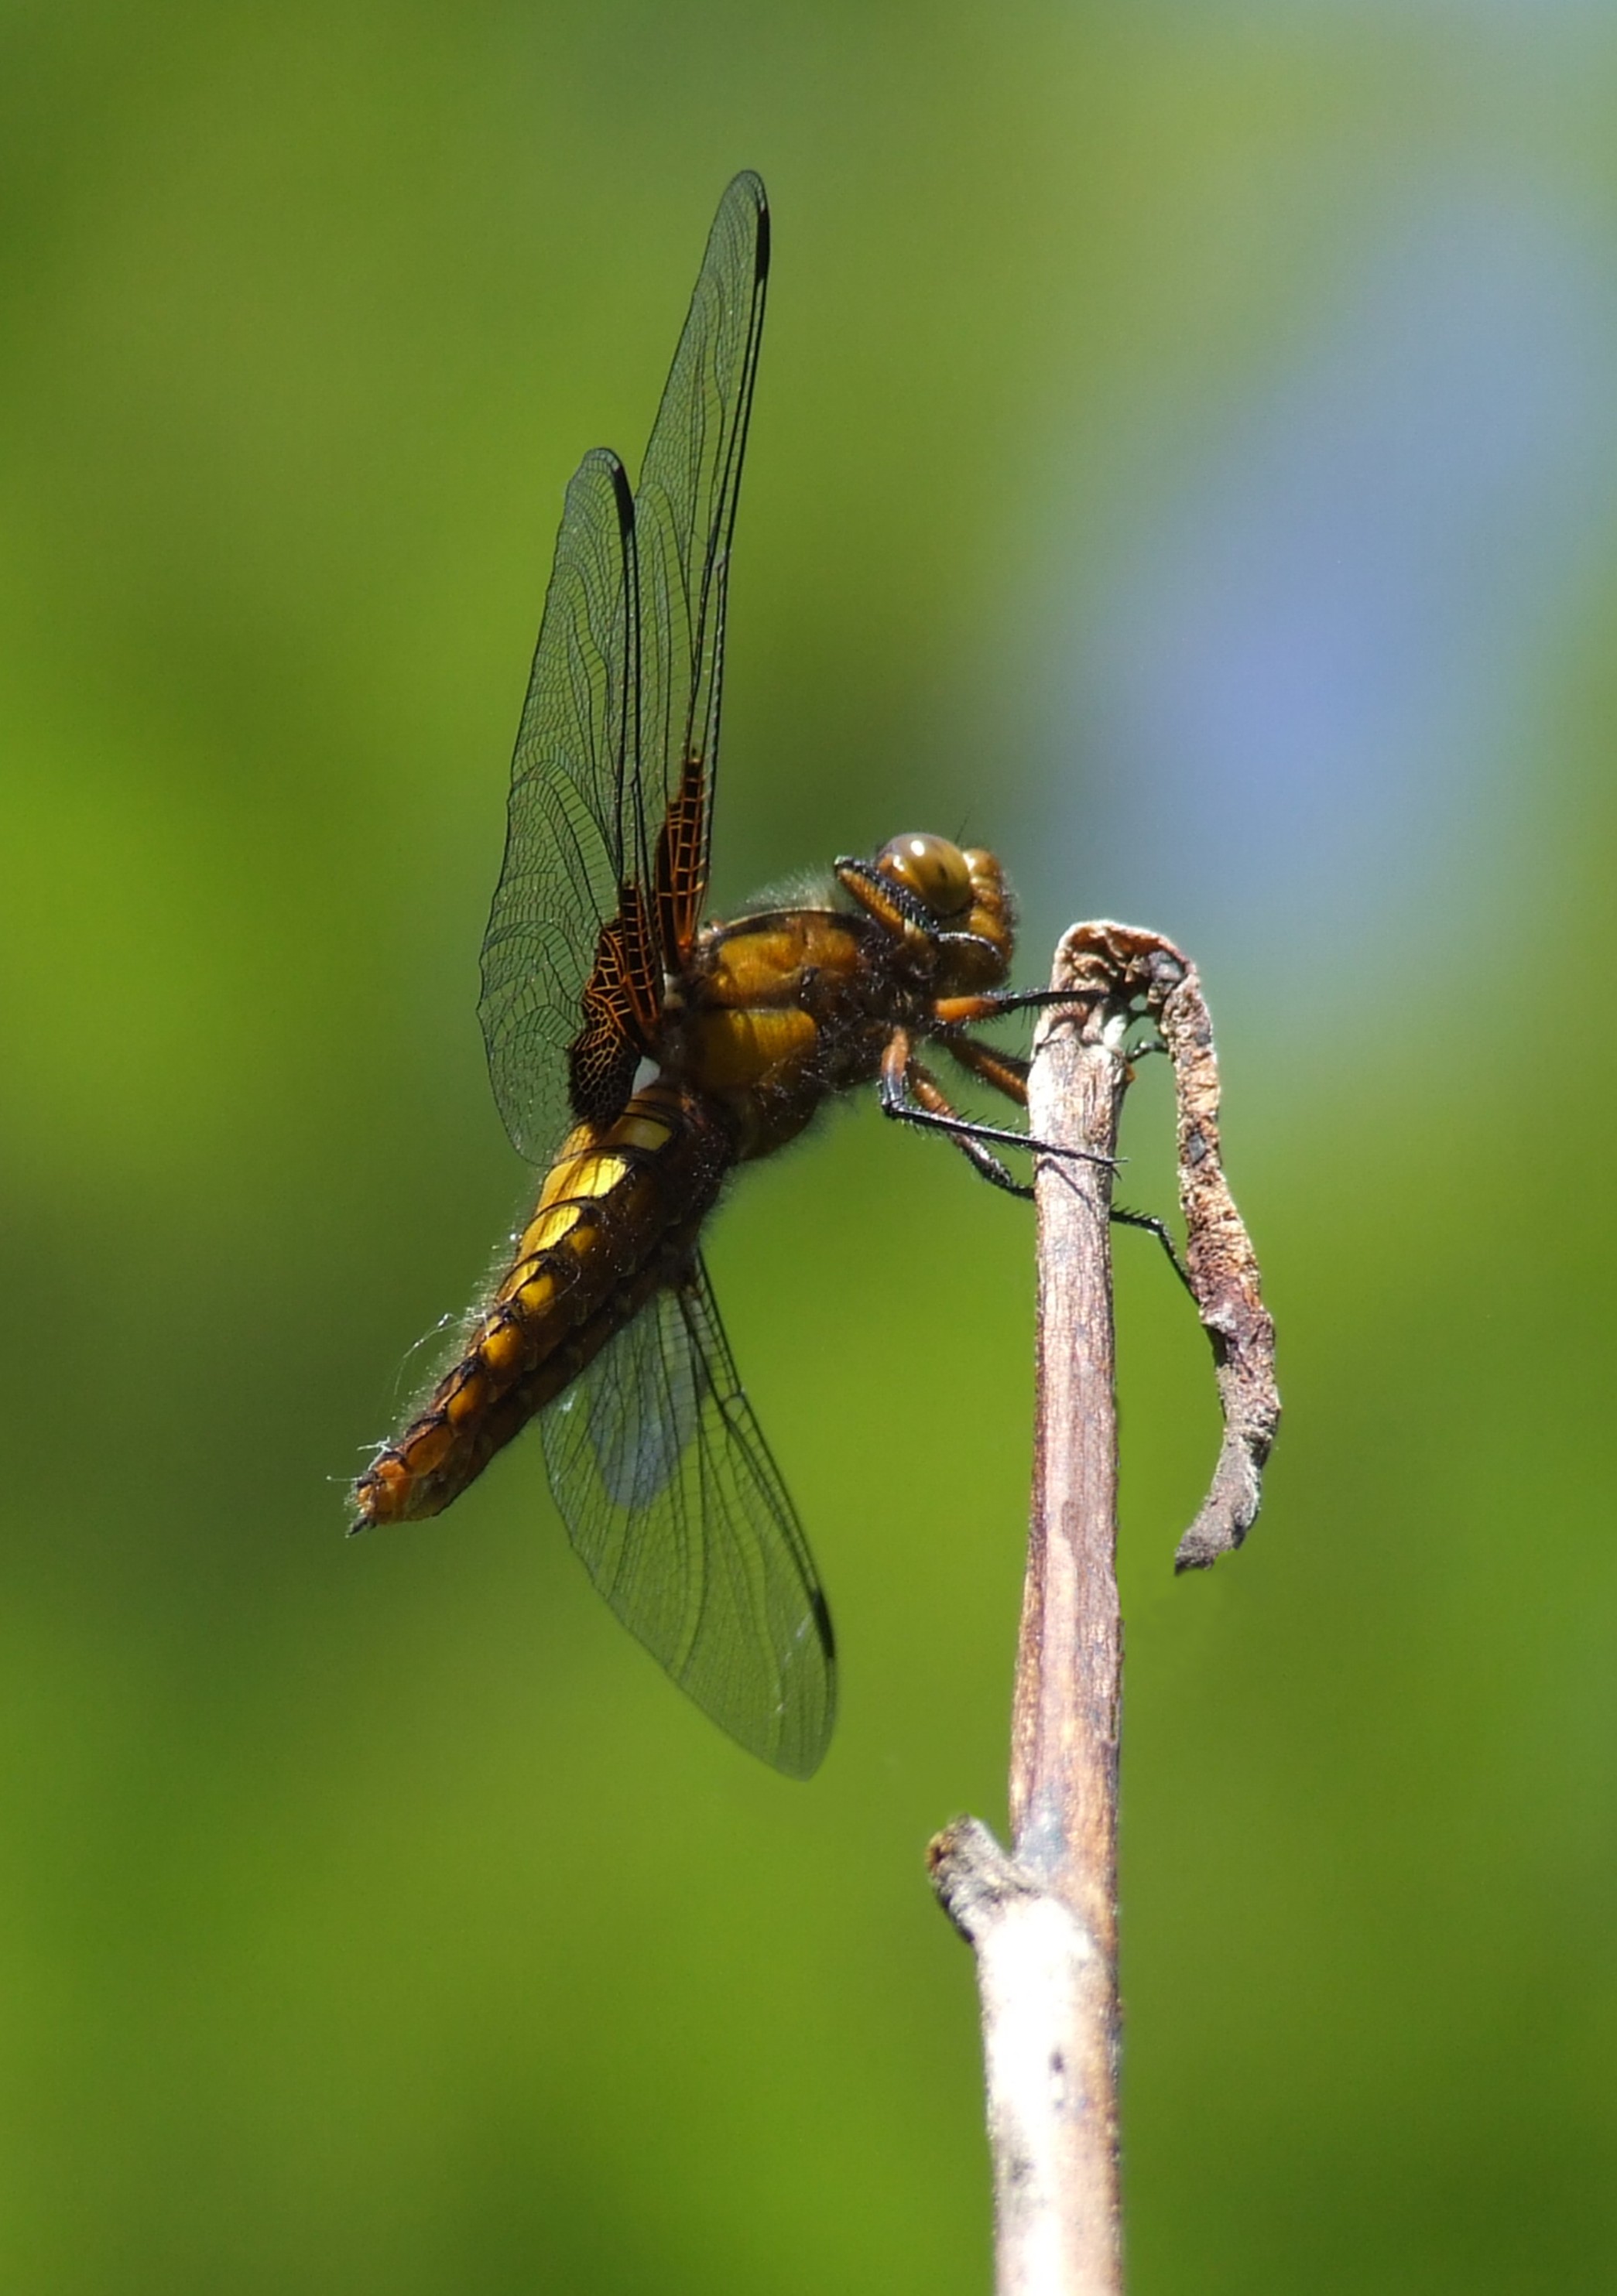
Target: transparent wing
[619,729]
[684,505]
[670,1497]
[564,842]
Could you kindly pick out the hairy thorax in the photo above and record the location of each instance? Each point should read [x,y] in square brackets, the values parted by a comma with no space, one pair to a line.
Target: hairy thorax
[780,1009]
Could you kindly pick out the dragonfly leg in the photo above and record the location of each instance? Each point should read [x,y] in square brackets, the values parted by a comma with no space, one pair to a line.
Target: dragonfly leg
[1007,1072]
[1153,1226]
[960,1012]
[954,1012]
[930,1096]
[930,1100]
[901,1098]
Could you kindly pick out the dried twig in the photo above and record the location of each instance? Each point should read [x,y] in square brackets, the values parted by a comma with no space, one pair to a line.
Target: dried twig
[1043,1920]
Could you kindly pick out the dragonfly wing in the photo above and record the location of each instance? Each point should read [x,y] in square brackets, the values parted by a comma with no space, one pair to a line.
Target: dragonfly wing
[684,514]
[606,844]
[671,1497]
[565,839]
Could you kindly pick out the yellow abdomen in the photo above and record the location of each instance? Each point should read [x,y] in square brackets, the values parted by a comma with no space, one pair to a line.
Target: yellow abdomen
[616,1217]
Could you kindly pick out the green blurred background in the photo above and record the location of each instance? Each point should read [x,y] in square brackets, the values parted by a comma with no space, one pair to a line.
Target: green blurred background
[1185,457]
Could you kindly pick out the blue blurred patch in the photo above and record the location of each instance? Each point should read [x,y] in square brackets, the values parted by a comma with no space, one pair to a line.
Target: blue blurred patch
[1312,695]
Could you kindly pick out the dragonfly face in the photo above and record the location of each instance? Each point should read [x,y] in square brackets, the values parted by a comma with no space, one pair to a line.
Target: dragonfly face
[930,890]
[596,964]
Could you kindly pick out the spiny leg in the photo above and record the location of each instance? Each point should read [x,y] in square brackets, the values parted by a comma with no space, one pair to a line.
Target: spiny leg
[898,1101]
[960,1012]
[1153,1226]
[926,1089]
[1007,1072]
[989,1003]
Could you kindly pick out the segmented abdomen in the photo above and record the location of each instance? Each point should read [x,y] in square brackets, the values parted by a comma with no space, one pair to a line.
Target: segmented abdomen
[616,1217]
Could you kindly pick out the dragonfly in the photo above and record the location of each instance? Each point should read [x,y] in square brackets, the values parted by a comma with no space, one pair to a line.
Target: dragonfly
[640,1054]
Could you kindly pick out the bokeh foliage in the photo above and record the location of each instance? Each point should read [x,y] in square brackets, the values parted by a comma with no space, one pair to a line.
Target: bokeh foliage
[375,1916]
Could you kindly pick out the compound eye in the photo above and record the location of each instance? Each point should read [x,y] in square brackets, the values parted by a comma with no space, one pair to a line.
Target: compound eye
[932,868]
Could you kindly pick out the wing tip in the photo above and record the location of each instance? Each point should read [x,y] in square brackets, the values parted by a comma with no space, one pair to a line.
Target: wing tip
[747,188]
[800,1761]
[798,1755]
[600,463]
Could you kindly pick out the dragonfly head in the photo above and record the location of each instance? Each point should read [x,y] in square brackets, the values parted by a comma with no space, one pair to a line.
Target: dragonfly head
[954,900]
